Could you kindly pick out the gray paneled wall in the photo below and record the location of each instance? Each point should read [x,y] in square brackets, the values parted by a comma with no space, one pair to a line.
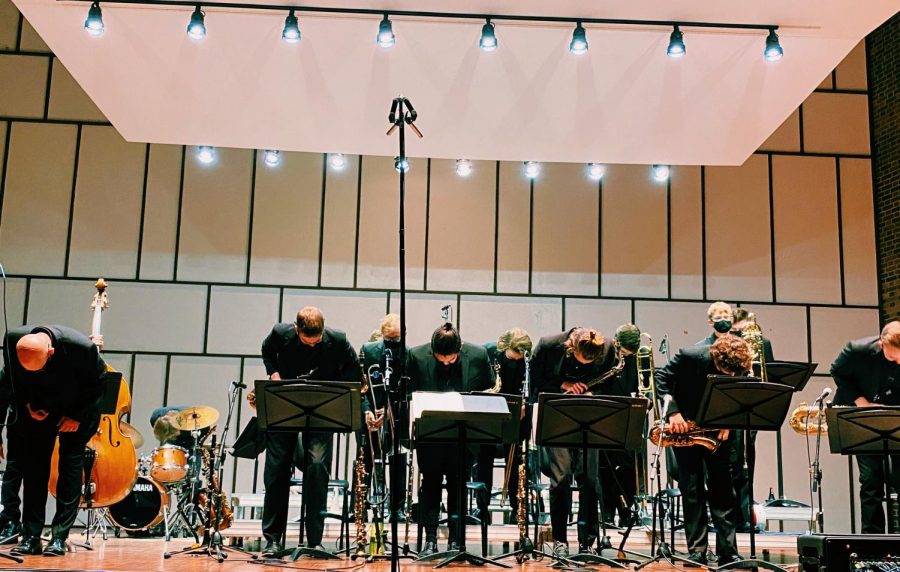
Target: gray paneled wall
[202,259]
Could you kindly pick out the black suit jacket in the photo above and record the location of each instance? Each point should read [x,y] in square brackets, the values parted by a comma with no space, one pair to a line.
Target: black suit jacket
[549,355]
[70,384]
[861,370]
[767,346]
[476,372]
[374,355]
[684,378]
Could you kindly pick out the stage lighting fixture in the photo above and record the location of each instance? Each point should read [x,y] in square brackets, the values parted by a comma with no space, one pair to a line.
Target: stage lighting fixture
[532,169]
[676,47]
[386,37]
[291,33]
[579,43]
[206,154]
[596,171]
[272,157]
[402,165]
[488,41]
[94,22]
[463,167]
[196,29]
[337,161]
[660,173]
[773,51]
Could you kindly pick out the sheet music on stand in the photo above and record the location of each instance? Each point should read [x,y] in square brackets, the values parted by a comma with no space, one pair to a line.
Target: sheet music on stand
[435,415]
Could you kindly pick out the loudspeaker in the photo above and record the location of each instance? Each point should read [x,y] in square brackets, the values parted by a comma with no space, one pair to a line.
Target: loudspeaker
[838,552]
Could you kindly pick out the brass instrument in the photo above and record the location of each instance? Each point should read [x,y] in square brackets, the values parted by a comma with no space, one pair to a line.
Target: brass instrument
[805,420]
[604,377]
[498,382]
[646,373]
[695,435]
[753,335]
[219,499]
[359,506]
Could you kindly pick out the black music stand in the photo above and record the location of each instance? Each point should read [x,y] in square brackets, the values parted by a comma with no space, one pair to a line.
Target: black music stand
[731,402]
[304,406]
[596,422]
[873,430]
[795,374]
[464,419]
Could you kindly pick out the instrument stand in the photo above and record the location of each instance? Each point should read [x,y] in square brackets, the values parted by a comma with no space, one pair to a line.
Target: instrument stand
[171,518]
[745,403]
[815,474]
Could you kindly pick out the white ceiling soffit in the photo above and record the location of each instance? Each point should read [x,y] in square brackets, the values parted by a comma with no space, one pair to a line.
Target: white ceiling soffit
[623,102]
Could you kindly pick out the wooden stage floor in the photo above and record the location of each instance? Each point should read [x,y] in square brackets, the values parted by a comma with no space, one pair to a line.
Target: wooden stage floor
[146,554]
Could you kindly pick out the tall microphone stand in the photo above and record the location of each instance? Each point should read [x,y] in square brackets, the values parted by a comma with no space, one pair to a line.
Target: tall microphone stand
[401,115]
[816,471]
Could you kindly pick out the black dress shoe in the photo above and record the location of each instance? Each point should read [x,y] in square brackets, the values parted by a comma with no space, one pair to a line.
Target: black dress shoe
[10,532]
[29,545]
[723,560]
[271,550]
[56,547]
[452,545]
[428,549]
[697,558]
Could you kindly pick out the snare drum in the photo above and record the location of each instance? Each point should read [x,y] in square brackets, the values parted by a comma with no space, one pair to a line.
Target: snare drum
[142,508]
[170,464]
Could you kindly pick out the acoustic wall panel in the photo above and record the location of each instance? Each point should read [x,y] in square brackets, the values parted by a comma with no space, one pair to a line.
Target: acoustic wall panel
[148,392]
[566,207]
[686,233]
[787,136]
[602,315]
[24,80]
[738,254]
[197,380]
[514,229]
[851,72]
[832,328]
[356,313]
[15,302]
[215,217]
[239,318]
[286,220]
[807,255]
[858,228]
[461,227]
[31,41]
[107,214]
[9,25]
[683,322]
[483,319]
[34,226]
[423,314]
[68,100]
[161,212]
[379,223]
[785,326]
[339,225]
[822,134]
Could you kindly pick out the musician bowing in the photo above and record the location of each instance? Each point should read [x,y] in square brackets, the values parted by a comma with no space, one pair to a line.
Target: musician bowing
[567,363]
[684,379]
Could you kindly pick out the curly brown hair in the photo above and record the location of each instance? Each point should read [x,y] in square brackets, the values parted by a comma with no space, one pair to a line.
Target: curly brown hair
[586,341]
[731,354]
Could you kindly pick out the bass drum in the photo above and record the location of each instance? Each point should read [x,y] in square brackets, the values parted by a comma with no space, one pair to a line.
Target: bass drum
[143,508]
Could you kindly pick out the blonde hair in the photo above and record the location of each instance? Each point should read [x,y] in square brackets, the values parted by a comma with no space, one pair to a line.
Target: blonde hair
[718,306]
[164,429]
[586,341]
[388,323]
[890,334]
[516,340]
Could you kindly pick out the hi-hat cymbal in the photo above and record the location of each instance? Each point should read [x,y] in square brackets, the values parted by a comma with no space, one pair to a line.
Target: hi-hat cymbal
[199,417]
[131,431]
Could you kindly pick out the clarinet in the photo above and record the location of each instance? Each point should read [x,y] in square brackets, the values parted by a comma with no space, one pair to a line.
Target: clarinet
[525,543]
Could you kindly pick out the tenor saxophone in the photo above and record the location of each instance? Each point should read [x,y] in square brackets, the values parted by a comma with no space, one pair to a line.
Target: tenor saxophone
[359,506]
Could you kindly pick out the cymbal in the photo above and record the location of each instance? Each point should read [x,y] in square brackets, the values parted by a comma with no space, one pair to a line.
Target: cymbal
[131,431]
[199,417]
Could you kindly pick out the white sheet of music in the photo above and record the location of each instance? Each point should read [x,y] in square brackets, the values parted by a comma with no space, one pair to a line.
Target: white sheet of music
[451,404]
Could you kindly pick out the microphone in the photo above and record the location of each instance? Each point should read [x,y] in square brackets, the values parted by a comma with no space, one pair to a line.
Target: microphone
[238,384]
[667,401]
[664,345]
[821,399]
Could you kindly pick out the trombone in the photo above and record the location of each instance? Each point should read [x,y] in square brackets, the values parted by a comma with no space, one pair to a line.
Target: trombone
[645,372]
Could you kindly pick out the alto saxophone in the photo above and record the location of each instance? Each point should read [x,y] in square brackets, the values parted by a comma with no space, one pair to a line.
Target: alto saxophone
[359,506]
[805,420]
[498,382]
[695,435]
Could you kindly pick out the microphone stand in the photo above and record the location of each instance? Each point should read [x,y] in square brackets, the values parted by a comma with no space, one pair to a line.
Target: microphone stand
[401,115]
[816,473]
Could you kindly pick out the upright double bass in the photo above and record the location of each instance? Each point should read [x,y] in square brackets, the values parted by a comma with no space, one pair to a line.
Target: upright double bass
[110,454]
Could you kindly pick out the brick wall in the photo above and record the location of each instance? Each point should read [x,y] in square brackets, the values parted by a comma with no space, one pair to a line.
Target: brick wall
[884,95]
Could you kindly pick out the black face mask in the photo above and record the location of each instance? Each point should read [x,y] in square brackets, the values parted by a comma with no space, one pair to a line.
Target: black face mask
[393,345]
[722,326]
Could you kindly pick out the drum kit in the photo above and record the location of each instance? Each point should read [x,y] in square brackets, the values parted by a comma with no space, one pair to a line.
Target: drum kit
[172,481]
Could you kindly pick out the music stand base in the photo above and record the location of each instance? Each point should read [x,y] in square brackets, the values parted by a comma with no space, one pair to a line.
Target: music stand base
[526,552]
[665,554]
[296,553]
[12,557]
[214,549]
[461,556]
[753,563]
[596,559]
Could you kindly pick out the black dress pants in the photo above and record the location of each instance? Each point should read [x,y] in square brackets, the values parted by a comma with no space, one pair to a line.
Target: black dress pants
[560,464]
[618,480]
[871,490]
[484,473]
[696,465]
[437,462]
[281,449]
[36,474]
[741,477]
[12,477]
